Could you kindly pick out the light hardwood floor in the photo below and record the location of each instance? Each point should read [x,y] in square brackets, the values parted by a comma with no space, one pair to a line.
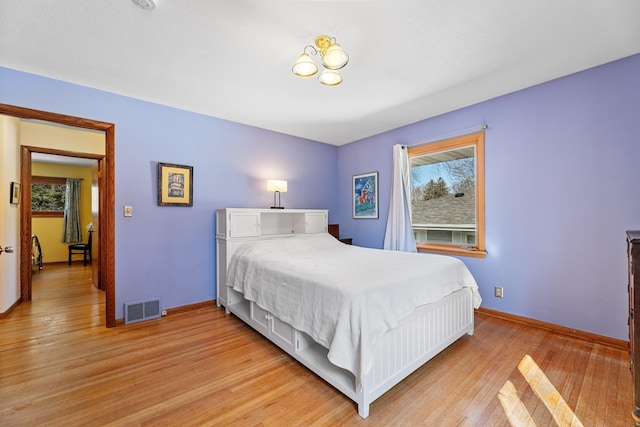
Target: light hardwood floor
[59,365]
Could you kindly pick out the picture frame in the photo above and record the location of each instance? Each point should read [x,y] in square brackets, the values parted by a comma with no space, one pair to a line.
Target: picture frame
[15,193]
[365,195]
[175,185]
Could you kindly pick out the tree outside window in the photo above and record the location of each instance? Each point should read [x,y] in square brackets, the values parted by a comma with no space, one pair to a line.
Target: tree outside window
[47,196]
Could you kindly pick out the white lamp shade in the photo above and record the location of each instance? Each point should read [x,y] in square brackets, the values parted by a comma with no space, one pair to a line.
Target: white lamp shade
[335,57]
[277,185]
[304,66]
[330,78]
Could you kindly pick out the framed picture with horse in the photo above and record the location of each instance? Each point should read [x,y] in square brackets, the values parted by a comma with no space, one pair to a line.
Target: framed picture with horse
[365,195]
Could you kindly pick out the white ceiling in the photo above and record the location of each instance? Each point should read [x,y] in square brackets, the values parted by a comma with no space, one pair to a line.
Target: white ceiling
[409,59]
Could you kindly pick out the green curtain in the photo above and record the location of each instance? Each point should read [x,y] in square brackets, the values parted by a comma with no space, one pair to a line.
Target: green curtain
[72,232]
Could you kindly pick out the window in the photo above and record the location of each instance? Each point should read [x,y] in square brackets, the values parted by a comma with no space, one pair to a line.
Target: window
[47,196]
[447,195]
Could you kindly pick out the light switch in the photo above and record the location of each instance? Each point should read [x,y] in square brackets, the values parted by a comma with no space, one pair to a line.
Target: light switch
[128,211]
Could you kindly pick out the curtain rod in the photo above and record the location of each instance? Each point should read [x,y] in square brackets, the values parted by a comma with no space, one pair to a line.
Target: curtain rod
[450,135]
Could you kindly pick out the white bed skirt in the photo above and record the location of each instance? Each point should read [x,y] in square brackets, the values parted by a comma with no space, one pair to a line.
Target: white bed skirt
[417,339]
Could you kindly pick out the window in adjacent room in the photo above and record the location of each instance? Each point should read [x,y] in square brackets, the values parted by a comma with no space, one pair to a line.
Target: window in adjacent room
[47,196]
[447,195]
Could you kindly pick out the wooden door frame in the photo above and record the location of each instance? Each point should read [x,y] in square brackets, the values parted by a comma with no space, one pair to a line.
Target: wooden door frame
[26,209]
[106,232]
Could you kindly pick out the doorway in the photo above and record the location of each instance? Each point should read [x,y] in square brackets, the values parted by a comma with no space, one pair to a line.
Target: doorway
[51,171]
[106,203]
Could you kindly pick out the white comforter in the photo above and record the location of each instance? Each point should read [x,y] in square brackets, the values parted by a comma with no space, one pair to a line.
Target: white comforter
[344,297]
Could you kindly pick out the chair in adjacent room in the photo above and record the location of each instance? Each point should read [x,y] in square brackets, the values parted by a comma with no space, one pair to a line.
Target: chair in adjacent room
[81,248]
[36,253]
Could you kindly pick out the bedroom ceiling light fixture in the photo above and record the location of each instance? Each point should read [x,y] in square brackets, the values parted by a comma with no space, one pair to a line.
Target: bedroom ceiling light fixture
[145,4]
[333,59]
[277,186]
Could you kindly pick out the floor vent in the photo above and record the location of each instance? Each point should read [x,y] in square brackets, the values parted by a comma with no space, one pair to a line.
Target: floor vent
[138,311]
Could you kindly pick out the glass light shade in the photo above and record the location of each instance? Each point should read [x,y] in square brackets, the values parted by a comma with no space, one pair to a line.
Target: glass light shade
[330,78]
[146,4]
[335,57]
[277,185]
[304,66]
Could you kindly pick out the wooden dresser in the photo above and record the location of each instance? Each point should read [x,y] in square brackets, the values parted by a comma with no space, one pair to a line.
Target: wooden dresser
[633,254]
[334,230]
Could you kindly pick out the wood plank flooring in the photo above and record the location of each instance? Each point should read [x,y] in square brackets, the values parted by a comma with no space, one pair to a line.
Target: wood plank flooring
[60,366]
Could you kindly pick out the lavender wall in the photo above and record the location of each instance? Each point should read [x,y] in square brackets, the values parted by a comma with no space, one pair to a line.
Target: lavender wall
[168,252]
[561,189]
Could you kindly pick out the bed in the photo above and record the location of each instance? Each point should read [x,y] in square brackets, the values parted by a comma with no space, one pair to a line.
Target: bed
[362,319]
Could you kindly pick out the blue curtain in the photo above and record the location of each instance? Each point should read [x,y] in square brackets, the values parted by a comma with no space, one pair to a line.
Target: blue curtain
[72,232]
[399,234]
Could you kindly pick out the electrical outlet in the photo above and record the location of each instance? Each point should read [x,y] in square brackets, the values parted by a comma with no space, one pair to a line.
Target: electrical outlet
[498,292]
[163,313]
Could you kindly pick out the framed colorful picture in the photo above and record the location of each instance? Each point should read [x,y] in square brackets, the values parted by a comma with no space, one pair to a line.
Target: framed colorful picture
[175,185]
[365,195]
[15,193]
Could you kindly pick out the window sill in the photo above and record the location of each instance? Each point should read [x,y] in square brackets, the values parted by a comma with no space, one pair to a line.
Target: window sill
[36,214]
[450,250]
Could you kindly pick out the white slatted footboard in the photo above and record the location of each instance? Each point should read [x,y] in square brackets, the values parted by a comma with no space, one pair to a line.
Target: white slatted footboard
[418,338]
